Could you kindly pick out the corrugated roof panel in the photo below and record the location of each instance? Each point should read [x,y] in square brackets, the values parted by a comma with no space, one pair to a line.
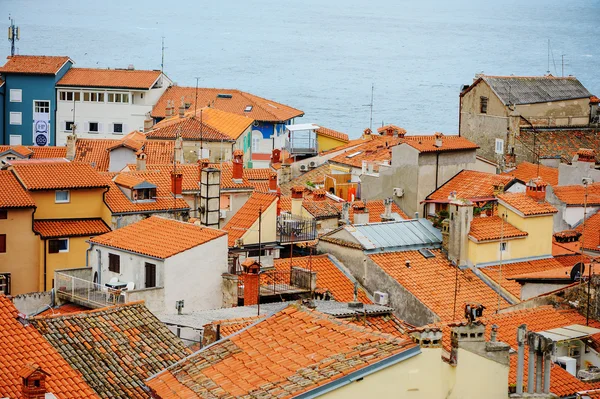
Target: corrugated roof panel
[412,233]
[536,89]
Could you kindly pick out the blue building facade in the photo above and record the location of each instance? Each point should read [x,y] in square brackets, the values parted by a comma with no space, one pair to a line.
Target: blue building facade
[29,110]
[2,96]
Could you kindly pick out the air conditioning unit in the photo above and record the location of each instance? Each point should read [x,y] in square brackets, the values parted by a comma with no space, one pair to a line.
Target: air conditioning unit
[312,164]
[398,191]
[380,298]
[222,214]
[303,168]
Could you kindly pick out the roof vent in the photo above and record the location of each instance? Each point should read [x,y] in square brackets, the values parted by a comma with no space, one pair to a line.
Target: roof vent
[426,253]
[407,263]
[248,108]
[130,67]
[223,95]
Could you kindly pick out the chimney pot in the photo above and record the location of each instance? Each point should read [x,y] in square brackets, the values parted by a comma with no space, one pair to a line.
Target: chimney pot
[536,189]
[276,156]
[273,182]
[141,162]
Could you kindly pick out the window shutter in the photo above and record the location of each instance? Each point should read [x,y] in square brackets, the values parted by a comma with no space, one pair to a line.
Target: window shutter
[53,246]
[2,243]
[150,275]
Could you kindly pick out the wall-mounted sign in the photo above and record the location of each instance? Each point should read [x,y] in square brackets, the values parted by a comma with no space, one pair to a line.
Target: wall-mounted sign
[41,130]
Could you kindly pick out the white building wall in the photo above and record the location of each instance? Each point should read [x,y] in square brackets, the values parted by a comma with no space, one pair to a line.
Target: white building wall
[120,158]
[195,276]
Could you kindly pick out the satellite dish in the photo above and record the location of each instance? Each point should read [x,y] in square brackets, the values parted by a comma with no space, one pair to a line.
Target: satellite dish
[579,267]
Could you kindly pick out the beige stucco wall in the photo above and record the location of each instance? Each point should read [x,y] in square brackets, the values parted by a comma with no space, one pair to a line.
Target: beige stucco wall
[539,229]
[268,227]
[22,254]
[73,258]
[557,113]
[84,203]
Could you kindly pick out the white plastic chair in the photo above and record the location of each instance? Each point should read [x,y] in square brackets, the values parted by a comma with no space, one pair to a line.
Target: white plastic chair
[130,286]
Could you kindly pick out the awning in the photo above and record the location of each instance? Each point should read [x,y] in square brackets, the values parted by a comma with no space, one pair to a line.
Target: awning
[567,333]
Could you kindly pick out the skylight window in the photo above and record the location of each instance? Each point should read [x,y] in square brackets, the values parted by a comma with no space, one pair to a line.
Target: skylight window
[426,253]
[248,108]
[221,95]
[354,154]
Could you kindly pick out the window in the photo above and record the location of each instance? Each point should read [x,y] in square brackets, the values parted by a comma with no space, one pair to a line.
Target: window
[3,214]
[118,128]
[483,101]
[69,126]
[499,147]
[150,275]
[503,246]
[93,97]
[93,127]
[118,97]
[41,107]
[2,243]
[5,283]
[144,194]
[15,118]
[70,95]
[248,108]
[114,263]
[62,196]
[255,144]
[16,95]
[15,139]
[58,245]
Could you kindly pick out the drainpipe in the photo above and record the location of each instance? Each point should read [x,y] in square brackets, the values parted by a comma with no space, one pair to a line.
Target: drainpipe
[437,165]
[45,251]
[87,255]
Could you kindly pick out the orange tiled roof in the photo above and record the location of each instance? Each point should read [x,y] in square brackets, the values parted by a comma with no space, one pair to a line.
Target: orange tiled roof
[314,176]
[113,78]
[56,176]
[575,195]
[271,358]
[526,171]
[432,281]
[323,131]
[526,205]
[396,129]
[590,237]
[329,276]
[67,308]
[258,174]
[563,143]
[247,215]
[33,152]
[562,273]
[22,345]
[508,270]
[376,209]
[231,326]
[34,64]
[262,108]
[469,184]
[69,227]
[571,260]
[594,100]
[158,237]
[449,143]
[12,194]
[128,180]
[491,228]
[385,323]
[227,182]
[378,149]
[325,209]
[189,128]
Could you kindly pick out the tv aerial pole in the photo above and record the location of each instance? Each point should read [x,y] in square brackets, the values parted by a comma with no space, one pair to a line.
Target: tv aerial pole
[14,34]
[370,105]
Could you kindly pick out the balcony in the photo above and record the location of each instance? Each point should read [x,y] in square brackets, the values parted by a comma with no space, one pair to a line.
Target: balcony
[282,283]
[292,229]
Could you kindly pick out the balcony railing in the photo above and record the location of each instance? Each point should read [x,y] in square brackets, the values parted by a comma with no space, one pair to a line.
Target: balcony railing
[278,282]
[291,229]
[86,292]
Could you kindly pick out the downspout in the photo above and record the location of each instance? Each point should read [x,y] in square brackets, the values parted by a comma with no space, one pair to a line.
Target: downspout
[104,200]
[437,165]
[460,98]
[87,255]
[45,251]
[4,116]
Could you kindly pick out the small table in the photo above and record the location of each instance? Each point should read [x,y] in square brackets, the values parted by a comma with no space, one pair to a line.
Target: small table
[117,285]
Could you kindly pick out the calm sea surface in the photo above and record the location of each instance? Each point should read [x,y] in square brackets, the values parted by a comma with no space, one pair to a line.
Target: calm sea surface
[322,56]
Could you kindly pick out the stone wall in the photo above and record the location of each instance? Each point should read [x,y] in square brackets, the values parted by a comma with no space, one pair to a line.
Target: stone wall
[33,303]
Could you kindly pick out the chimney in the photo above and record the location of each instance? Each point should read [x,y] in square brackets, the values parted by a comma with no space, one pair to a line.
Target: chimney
[179,149]
[148,123]
[498,189]
[390,131]
[445,234]
[182,108]
[319,195]
[461,215]
[71,146]
[251,270]
[210,197]
[297,197]
[536,189]
[387,203]
[176,183]
[238,166]
[33,380]
[276,156]
[586,155]
[140,162]
[285,173]
[428,337]
[278,201]
[368,132]
[203,163]
[361,213]
[345,217]
[273,182]
[438,139]
[169,109]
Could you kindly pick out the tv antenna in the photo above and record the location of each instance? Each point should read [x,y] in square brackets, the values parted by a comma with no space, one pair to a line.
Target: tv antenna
[14,34]
[562,56]
[162,54]
[371,106]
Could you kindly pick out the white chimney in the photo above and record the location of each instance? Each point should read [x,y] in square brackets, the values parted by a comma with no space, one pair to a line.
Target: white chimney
[461,215]
[71,146]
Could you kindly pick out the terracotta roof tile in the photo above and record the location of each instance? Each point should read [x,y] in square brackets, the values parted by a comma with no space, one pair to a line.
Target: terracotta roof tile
[56,176]
[114,78]
[491,228]
[262,108]
[526,205]
[13,195]
[508,270]
[22,345]
[69,227]
[189,127]
[449,143]
[377,149]
[258,174]
[562,143]
[158,237]
[67,308]
[590,237]
[385,323]
[324,209]
[115,348]
[48,152]
[469,184]
[34,64]
[247,215]
[376,209]
[562,273]
[314,176]
[271,358]
[397,130]
[329,276]
[575,195]
[323,131]
[231,326]
[432,281]
[526,171]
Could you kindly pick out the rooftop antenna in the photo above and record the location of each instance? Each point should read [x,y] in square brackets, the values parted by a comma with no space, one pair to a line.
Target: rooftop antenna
[162,54]
[562,56]
[371,106]
[502,242]
[14,34]
[196,100]
[548,70]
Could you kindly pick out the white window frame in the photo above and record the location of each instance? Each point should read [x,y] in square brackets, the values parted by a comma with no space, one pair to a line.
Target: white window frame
[16,95]
[499,147]
[505,245]
[16,118]
[99,125]
[35,106]
[118,95]
[68,200]
[97,93]
[122,128]
[10,142]
[72,94]
[255,143]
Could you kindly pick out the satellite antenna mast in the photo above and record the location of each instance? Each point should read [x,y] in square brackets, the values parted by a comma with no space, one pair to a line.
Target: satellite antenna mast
[562,56]
[162,54]
[548,70]
[14,34]
[371,106]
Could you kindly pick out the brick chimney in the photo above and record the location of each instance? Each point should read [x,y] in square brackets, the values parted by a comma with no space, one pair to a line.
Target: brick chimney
[179,149]
[390,131]
[182,108]
[276,155]
[361,213]
[170,109]
[148,123]
[368,132]
[586,155]
[297,197]
[273,182]
[251,270]
[536,189]
[140,161]
[33,380]
[461,215]
[319,195]
[71,146]
[238,166]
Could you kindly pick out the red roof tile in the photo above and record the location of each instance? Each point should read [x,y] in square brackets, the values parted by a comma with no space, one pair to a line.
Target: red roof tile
[22,345]
[449,143]
[13,195]
[376,209]
[67,308]
[563,143]
[378,149]
[33,152]
[432,281]
[526,205]
[590,238]
[69,227]
[113,78]
[385,323]
[396,129]
[247,215]
[158,237]
[575,195]
[492,228]
[56,176]
[469,184]
[526,171]
[34,64]
[323,131]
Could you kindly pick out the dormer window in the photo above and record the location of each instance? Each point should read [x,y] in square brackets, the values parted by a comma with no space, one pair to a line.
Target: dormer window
[144,194]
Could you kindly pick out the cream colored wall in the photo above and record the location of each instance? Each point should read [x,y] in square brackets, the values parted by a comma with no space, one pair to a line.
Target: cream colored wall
[568,112]
[477,377]
[268,227]
[74,258]
[21,256]
[539,228]
[84,203]
[470,101]
[490,251]
[218,151]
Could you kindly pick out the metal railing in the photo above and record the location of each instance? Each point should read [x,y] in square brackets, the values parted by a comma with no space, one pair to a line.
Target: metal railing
[292,228]
[88,292]
[274,282]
